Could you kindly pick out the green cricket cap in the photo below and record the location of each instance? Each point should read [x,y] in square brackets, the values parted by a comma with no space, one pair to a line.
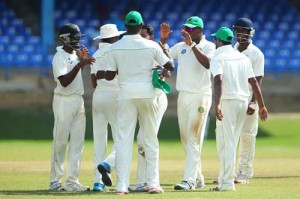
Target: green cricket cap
[133,18]
[224,34]
[194,22]
[161,84]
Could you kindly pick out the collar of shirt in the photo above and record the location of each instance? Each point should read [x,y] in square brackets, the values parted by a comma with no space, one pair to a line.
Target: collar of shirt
[202,42]
[223,49]
[60,49]
[237,45]
[136,36]
[103,45]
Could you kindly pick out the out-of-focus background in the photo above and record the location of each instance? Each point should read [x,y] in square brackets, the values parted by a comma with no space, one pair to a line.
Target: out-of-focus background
[28,39]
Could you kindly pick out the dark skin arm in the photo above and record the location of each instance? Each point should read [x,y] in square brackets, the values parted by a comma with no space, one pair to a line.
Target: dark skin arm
[169,66]
[66,79]
[251,105]
[202,58]
[166,73]
[263,112]
[94,80]
[110,75]
[218,93]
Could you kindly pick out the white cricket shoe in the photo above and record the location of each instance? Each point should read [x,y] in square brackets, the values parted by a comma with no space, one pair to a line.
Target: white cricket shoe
[200,184]
[76,187]
[56,186]
[241,179]
[142,187]
[184,185]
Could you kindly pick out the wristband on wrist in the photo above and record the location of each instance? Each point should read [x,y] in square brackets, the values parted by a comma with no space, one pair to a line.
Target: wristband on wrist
[193,44]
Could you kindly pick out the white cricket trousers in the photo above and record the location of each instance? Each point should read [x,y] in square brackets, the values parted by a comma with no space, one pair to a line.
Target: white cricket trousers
[227,135]
[162,101]
[192,111]
[69,121]
[104,113]
[247,144]
[129,110]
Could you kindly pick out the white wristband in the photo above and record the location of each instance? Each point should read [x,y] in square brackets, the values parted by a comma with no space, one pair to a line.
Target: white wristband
[193,44]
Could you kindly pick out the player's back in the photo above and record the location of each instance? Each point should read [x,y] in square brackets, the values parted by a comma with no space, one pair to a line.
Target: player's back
[236,72]
[133,58]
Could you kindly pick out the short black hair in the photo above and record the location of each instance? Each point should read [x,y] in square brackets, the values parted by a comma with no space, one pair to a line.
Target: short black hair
[149,29]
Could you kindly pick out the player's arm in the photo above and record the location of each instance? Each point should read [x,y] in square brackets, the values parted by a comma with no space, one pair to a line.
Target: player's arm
[218,93]
[66,79]
[169,66]
[166,73]
[263,112]
[94,80]
[259,81]
[202,58]
[162,72]
[110,75]
[251,105]
[165,33]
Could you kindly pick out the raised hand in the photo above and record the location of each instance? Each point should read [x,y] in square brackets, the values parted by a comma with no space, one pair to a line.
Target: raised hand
[82,53]
[165,32]
[186,38]
[86,61]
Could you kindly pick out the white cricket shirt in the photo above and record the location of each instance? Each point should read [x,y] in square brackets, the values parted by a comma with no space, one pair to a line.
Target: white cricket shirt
[256,57]
[63,63]
[235,69]
[191,75]
[133,57]
[103,84]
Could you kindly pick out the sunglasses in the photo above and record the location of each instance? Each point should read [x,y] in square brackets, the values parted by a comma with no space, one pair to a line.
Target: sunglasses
[188,29]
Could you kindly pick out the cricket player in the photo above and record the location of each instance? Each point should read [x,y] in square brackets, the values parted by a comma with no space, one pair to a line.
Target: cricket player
[231,71]
[133,57]
[147,32]
[68,109]
[244,31]
[104,101]
[195,93]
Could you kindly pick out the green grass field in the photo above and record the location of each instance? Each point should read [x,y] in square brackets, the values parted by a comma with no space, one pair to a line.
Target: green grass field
[25,166]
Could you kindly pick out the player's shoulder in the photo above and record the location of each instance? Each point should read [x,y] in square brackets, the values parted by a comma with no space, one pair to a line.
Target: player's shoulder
[255,50]
[207,42]
[58,55]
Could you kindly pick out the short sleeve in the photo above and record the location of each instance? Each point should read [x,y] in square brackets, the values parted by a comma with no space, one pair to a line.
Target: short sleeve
[108,61]
[250,72]
[160,56]
[210,50]
[60,66]
[258,64]
[174,51]
[216,67]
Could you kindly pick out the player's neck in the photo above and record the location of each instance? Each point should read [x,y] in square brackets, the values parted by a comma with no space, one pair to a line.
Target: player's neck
[67,49]
[243,46]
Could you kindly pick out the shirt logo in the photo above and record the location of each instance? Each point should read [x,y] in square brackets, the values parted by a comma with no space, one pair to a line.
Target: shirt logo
[183,51]
[201,109]
[69,60]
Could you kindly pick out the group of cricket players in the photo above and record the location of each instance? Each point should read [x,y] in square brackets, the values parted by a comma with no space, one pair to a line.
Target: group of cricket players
[129,72]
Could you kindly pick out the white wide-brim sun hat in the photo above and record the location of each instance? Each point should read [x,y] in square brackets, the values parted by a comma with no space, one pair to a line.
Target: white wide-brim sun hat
[109,31]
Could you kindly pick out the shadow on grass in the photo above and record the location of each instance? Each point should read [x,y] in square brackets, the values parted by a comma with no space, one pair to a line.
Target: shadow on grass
[53,193]
[85,193]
